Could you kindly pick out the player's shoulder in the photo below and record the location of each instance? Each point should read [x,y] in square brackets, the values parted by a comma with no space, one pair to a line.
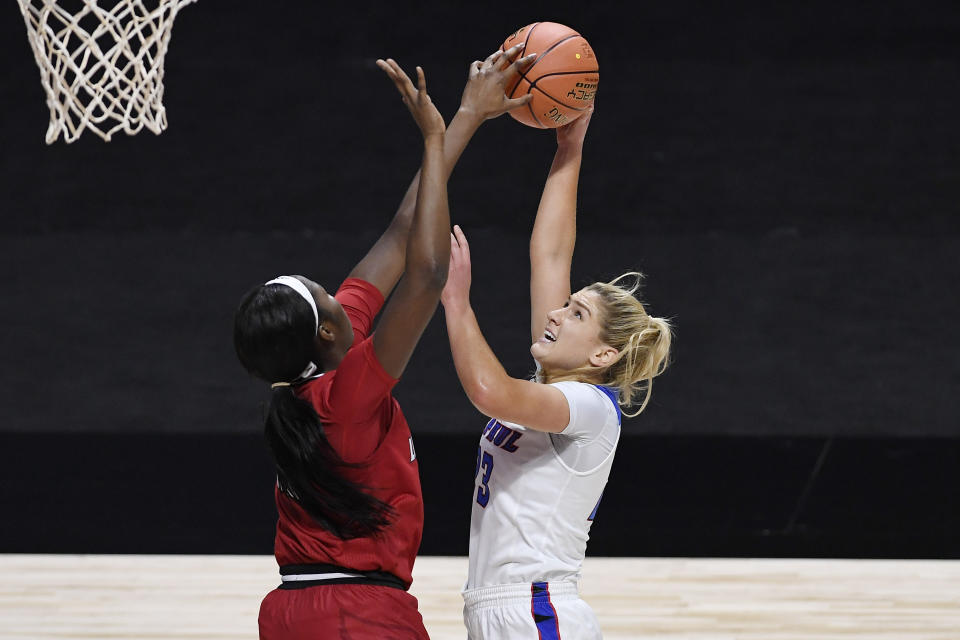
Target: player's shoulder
[585,394]
[357,288]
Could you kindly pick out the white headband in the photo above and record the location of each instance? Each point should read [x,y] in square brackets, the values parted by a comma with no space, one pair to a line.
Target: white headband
[299,287]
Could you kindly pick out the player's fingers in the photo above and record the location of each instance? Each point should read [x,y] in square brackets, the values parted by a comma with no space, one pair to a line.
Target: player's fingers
[492,59]
[522,64]
[462,241]
[452,264]
[515,51]
[399,77]
[421,82]
[583,121]
[402,85]
[394,67]
[510,55]
[400,73]
[382,64]
[513,103]
[474,68]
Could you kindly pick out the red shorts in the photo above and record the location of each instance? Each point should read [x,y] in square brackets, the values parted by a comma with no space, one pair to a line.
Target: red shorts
[341,611]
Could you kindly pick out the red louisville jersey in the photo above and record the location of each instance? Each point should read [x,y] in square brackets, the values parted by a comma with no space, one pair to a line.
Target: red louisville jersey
[363,423]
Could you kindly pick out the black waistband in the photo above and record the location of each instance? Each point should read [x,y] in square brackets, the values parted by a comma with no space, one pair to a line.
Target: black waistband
[376,578]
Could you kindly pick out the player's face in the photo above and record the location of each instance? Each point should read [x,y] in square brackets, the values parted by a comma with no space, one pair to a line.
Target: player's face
[571,336]
[334,323]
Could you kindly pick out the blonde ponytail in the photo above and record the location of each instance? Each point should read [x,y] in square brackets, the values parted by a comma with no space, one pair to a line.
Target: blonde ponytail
[648,353]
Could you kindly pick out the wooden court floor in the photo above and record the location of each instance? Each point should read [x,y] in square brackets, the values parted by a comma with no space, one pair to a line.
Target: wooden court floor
[214,597]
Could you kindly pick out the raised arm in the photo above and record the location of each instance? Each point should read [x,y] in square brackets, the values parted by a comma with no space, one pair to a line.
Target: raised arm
[428,245]
[491,390]
[555,229]
[483,98]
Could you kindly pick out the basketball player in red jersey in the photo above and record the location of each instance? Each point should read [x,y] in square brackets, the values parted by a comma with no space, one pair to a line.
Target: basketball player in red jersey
[348,486]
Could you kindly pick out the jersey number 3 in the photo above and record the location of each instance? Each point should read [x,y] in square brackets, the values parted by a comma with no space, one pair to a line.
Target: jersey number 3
[484,460]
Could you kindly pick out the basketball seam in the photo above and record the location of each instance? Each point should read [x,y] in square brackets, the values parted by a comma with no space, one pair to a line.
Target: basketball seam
[522,53]
[526,41]
[544,54]
[532,114]
[559,73]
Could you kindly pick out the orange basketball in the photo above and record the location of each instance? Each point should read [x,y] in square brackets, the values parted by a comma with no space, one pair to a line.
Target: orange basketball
[563,79]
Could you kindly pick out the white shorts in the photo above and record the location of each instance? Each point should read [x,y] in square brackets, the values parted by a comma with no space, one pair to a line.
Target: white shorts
[541,610]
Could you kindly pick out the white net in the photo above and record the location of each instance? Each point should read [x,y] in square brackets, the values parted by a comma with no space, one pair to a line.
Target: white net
[101,63]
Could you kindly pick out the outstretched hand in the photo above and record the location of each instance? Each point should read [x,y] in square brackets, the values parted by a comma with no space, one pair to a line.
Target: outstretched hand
[456,293]
[488,80]
[573,134]
[421,107]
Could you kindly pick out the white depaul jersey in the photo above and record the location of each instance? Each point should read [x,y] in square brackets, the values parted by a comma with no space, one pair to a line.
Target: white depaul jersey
[536,493]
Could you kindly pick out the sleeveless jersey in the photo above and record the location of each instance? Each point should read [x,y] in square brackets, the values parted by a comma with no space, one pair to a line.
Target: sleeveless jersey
[532,508]
[363,423]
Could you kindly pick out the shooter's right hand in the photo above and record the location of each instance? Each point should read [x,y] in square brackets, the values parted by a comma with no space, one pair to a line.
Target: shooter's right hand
[571,135]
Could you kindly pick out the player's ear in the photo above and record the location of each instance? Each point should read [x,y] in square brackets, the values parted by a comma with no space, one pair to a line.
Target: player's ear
[326,334]
[603,356]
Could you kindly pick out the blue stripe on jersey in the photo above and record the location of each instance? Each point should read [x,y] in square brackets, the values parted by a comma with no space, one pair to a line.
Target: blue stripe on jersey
[595,509]
[614,396]
[544,615]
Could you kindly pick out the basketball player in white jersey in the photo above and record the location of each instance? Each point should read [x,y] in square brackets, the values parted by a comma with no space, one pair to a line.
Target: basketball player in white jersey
[546,452]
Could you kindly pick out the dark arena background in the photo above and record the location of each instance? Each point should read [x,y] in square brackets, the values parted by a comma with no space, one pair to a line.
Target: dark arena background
[786,175]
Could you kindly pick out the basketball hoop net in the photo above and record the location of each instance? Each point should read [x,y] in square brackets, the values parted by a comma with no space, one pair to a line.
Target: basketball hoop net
[102,67]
